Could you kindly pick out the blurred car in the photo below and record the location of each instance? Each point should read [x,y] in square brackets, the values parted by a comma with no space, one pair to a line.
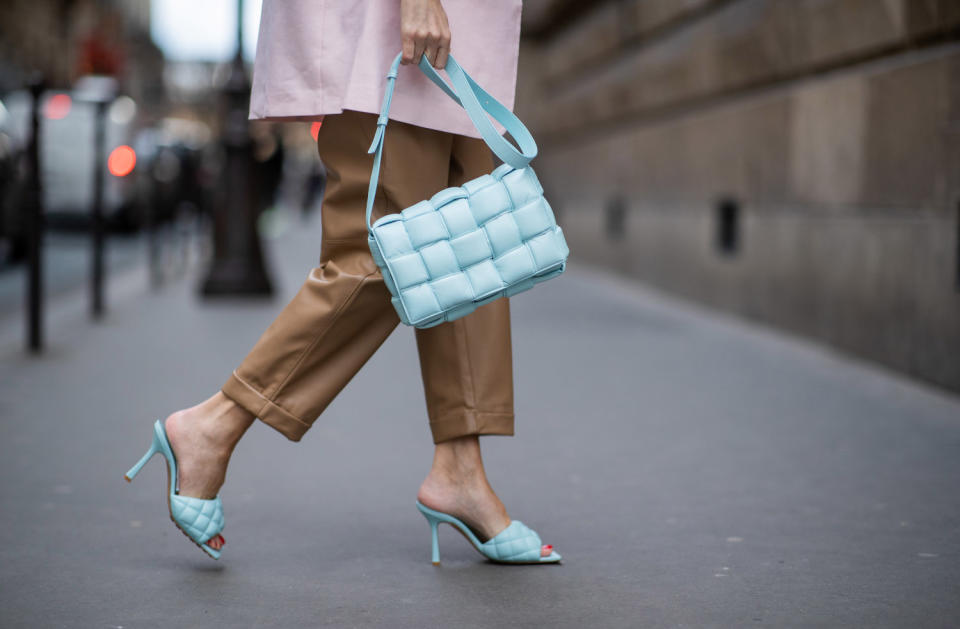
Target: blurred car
[67,145]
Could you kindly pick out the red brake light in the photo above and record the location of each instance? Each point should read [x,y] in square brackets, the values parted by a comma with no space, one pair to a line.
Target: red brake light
[121,161]
[58,106]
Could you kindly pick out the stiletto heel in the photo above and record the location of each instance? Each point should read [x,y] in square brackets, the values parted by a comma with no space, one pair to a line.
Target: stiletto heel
[434,542]
[129,476]
[200,520]
[517,543]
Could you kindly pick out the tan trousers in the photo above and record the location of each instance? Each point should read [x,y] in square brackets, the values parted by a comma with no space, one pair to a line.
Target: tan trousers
[342,313]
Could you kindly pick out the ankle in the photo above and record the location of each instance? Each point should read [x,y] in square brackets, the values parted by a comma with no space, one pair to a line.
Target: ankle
[458,458]
[218,421]
[457,465]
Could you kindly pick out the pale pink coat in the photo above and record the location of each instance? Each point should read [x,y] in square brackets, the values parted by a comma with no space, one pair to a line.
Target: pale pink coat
[317,57]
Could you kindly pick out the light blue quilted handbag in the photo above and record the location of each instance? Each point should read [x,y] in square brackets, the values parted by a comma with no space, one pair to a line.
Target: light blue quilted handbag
[492,237]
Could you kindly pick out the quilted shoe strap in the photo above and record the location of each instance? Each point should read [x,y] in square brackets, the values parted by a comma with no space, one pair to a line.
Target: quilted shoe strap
[201,519]
[517,542]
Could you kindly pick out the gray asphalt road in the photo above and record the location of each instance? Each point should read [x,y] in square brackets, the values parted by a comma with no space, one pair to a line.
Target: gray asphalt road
[693,471]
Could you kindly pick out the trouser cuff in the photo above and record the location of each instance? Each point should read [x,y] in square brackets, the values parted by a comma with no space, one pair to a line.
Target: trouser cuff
[266,411]
[470,422]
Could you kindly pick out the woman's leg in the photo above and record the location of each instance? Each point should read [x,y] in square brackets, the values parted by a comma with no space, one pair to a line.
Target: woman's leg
[342,314]
[467,369]
[337,320]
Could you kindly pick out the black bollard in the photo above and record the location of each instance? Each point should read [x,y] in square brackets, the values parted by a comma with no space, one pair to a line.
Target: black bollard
[33,204]
[97,220]
[616,218]
[237,267]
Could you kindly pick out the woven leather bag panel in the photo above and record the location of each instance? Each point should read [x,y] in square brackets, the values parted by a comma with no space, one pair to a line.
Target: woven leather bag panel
[492,237]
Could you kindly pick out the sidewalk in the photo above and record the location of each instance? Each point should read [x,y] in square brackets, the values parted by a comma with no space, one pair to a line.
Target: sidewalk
[66,266]
[693,471]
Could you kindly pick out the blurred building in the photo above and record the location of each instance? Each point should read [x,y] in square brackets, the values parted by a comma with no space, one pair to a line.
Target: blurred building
[793,161]
[65,39]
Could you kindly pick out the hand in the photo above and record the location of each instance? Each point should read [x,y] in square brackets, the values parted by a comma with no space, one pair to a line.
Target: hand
[424,31]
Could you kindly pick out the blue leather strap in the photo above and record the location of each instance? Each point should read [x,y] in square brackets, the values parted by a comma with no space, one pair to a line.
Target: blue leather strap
[478,104]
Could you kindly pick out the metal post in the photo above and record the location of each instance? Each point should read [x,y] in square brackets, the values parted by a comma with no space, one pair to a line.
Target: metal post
[237,267]
[34,211]
[240,29]
[616,215]
[153,237]
[97,226]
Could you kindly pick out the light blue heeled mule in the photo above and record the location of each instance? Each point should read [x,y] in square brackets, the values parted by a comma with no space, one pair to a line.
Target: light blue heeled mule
[199,519]
[517,543]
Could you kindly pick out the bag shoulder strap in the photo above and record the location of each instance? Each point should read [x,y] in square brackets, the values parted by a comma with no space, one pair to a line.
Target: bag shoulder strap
[477,102]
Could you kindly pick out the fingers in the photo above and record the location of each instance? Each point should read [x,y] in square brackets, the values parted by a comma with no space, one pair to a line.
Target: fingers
[437,49]
[408,47]
[431,46]
[414,45]
[431,52]
[439,61]
[442,55]
[424,30]
[420,44]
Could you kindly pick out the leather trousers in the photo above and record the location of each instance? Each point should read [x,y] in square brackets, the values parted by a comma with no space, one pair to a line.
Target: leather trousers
[342,313]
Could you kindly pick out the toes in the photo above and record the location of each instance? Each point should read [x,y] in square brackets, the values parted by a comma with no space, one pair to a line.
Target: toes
[546,550]
[216,542]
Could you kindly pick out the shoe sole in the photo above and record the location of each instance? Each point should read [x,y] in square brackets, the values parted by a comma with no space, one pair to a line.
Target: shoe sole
[496,561]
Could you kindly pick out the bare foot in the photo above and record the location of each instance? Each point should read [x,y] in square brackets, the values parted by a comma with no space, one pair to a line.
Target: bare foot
[203,438]
[457,484]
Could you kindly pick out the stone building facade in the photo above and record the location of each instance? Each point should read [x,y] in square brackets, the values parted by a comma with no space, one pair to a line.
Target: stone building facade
[796,162]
